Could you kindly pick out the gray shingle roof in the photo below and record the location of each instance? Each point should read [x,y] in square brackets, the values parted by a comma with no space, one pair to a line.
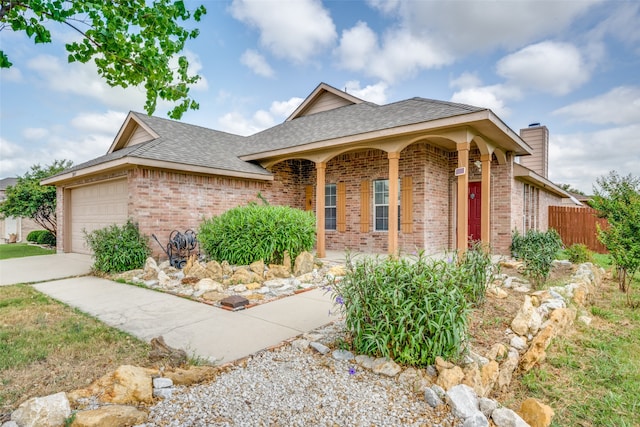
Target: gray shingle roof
[186,144]
[198,146]
[352,120]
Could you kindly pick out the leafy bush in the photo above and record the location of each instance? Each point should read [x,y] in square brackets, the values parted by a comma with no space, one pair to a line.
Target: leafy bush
[579,253]
[411,310]
[34,235]
[47,238]
[538,250]
[118,248]
[250,233]
[42,237]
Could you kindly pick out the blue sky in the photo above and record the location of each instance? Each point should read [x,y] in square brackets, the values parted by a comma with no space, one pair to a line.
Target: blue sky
[573,66]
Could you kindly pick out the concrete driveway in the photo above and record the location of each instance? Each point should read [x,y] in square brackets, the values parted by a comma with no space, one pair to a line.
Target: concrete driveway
[43,268]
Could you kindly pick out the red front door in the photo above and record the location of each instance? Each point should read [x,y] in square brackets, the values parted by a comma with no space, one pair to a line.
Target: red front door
[475,208]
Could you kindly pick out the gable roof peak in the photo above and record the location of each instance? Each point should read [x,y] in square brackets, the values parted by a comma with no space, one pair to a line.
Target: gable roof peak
[324,97]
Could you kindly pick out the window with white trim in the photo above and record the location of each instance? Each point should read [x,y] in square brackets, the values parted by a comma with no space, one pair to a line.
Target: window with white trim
[381,205]
[330,204]
[530,207]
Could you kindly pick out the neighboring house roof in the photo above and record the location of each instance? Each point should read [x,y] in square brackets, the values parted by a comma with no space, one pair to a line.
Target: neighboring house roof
[527,175]
[334,118]
[7,182]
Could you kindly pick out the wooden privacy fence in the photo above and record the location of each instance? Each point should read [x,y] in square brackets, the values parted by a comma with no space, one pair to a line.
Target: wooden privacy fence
[577,225]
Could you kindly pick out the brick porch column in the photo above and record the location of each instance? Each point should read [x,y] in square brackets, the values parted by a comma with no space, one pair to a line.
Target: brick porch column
[485,216]
[320,183]
[394,166]
[462,209]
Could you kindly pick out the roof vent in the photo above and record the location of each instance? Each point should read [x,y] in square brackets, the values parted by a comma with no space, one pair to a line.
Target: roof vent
[532,125]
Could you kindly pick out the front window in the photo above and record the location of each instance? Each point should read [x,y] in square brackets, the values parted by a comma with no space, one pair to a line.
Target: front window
[381,205]
[530,207]
[330,203]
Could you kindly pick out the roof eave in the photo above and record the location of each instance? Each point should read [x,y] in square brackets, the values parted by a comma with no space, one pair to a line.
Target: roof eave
[128,162]
[518,146]
[527,175]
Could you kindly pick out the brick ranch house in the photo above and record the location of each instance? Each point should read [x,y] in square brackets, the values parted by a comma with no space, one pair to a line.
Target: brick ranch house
[418,174]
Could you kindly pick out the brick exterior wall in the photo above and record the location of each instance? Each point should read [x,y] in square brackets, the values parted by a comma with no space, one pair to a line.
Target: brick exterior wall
[162,201]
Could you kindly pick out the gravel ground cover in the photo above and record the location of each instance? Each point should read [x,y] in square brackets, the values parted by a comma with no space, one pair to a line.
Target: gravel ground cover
[289,387]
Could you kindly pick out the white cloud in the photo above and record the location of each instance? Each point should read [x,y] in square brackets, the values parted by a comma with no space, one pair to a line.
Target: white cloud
[551,67]
[295,30]
[464,27]
[108,123]
[237,123]
[86,136]
[35,133]
[257,63]
[13,74]
[373,93]
[83,79]
[619,106]
[399,55]
[578,159]
[471,91]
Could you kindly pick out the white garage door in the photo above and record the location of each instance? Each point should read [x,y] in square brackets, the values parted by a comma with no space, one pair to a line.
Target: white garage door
[96,206]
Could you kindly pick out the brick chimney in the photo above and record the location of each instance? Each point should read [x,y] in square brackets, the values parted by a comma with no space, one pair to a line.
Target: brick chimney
[537,137]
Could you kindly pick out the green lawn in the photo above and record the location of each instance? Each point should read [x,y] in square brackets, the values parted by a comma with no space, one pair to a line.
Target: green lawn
[18,250]
[592,377]
[47,347]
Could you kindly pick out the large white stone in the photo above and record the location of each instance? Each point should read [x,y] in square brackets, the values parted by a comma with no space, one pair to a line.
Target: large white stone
[48,411]
[463,401]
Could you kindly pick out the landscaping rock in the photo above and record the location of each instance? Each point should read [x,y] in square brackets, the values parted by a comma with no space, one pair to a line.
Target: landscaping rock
[506,370]
[449,374]
[519,343]
[303,264]
[194,268]
[127,384]
[537,350]
[110,416]
[527,320]
[214,296]
[487,406]
[498,351]
[432,398]
[476,420]
[320,348]
[227,271]
[47,411]
[161,351]
[343,355]
[536,413]
[300,344]
[386,366]
[191,375]
[337,271]
[151,269]
[161,382]
[463,401]
[489,375]
[214,271]
[277,272]
[257,267]
[505,417]
[207,284]
[473,379]
[244,276]
[414,379]
[365,361]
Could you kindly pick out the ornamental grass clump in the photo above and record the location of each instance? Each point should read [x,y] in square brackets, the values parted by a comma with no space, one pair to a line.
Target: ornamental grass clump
[118,248]
[410,310]
[255,232]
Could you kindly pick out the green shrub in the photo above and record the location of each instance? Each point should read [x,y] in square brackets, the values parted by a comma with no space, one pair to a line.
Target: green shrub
[33,235]
[250,233]
[537,250]
[579,253]
[42,237]
[47,238]
[118,248]
[411,310]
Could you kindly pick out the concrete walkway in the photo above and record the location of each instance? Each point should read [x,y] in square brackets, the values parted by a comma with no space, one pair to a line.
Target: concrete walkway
[43,267]
[202,330]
